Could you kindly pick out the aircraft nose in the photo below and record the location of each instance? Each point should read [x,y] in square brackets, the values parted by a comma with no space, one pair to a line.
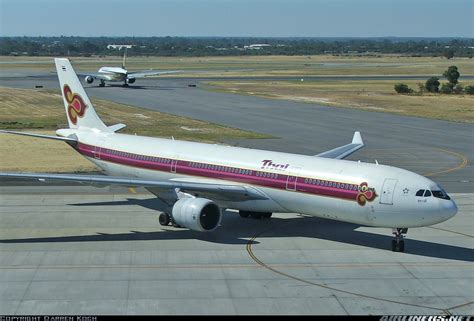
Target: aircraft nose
[448,209]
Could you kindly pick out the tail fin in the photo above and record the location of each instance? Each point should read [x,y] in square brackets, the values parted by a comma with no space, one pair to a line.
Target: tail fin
[79,109]
[124,58]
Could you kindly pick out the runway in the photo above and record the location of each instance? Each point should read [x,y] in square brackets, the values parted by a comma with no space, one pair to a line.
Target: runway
[84,250]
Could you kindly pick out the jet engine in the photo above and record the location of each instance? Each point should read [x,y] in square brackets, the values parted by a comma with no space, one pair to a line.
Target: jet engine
[130,80]
[198,214]
[89,79]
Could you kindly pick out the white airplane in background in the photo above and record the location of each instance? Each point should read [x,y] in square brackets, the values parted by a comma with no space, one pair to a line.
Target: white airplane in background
[120,74]
[196,181]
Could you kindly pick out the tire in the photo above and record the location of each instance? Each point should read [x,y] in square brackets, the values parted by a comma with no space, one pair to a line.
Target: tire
[266,215]
[398,246]
[401,246]
[256,215]
[164,219]
[244,214]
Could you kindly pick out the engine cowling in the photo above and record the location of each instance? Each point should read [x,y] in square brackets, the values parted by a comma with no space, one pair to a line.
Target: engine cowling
[130,80]
[198,214]
[89,79]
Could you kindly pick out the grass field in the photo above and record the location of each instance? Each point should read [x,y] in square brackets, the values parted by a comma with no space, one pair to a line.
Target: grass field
[258,66]
[27,109]
[361,94]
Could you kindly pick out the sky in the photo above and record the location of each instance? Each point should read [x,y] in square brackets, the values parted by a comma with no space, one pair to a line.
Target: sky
[246,18]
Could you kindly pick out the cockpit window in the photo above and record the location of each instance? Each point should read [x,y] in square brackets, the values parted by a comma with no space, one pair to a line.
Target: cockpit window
[420,192]
[441,194]
[427,193]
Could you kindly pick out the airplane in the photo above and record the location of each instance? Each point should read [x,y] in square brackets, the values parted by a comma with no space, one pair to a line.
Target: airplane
[121,74]
[195,182]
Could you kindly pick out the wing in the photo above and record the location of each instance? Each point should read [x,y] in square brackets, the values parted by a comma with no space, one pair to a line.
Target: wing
[94,75]
[346,150]
[147,73]
[219,191]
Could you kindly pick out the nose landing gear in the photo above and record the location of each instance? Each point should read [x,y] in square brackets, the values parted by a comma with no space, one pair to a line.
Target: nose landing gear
[398,244]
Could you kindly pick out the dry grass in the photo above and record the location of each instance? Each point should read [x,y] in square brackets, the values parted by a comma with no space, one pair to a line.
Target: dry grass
[32,109]
[367,95]
[20,153]
[258,66]
[39,109]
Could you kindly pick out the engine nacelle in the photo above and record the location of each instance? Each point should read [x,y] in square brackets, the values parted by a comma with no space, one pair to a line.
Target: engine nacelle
[198,214]
[130,80]
[89,79]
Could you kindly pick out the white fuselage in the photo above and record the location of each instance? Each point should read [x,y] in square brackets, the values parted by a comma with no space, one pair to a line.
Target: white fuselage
[361,193]
[113,73]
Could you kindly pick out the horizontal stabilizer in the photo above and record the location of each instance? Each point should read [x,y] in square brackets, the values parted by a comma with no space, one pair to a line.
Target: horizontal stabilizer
[116,127]
[64,139]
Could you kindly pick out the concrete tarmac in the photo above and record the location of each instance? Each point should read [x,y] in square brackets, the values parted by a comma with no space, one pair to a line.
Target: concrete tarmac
[85,250]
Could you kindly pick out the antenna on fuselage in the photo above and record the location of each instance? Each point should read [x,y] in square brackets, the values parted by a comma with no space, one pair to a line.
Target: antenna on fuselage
[376,163]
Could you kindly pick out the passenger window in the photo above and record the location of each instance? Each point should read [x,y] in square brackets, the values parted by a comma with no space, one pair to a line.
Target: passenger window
[427,193]
[420,192]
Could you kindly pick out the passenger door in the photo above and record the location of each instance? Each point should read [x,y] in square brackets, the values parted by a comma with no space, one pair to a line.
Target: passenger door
[174,163]
[98,148]
[388,190]
[292,179]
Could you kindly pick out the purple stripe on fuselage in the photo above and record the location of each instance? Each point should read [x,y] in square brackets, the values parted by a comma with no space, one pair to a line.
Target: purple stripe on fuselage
[254,177]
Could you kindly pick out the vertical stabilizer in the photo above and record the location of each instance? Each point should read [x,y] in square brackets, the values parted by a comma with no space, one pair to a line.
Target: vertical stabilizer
[124,58]
[79,109]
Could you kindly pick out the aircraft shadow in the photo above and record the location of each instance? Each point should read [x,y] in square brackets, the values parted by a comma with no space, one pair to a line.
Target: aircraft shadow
[237,231]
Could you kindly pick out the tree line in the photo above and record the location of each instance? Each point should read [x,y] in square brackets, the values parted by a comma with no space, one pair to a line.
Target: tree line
[226,46]
[432,85]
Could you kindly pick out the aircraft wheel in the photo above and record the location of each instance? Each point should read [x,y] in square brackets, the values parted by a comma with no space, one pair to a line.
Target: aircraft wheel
[244,214]
[398,246]
[267,215]
[164,219]
[102,83]
[256,215]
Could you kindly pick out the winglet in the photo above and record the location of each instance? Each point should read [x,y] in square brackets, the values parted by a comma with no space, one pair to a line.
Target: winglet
[357,139]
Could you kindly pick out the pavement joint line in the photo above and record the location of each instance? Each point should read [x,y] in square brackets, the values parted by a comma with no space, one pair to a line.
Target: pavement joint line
[27,289]
[460,306]
[322,285]
[446,230]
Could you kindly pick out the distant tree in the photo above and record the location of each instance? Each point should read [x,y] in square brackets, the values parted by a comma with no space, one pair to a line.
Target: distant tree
[452,74]
[403,89]
[448,54]
[446,88]
[458,89]
[432,85]
[469,90]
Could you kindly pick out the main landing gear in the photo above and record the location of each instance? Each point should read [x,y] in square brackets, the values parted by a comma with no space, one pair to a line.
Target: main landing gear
[165,219]
[398,244]
[102,83]
[256,215]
